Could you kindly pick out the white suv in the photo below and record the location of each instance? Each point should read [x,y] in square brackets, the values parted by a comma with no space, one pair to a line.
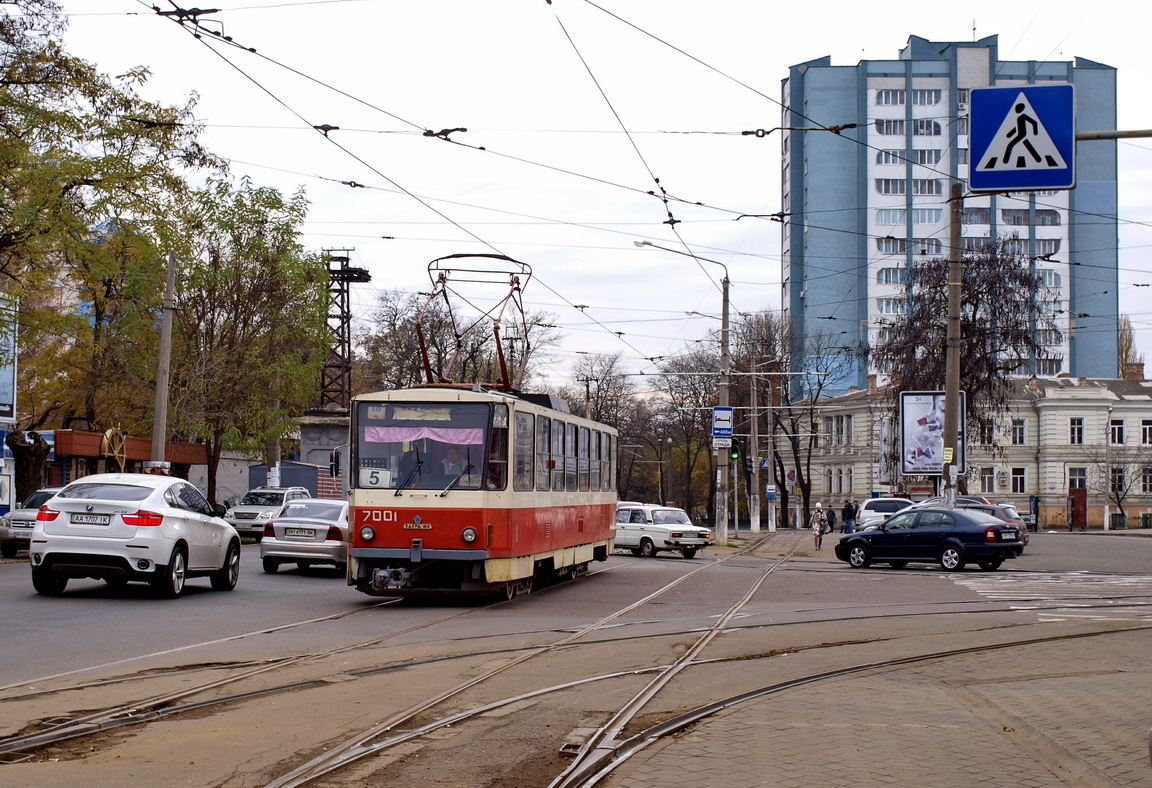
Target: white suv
[646,529]
[252,512]
[874,511]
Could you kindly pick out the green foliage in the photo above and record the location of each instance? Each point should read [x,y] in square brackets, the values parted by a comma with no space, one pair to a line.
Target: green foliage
[251,319]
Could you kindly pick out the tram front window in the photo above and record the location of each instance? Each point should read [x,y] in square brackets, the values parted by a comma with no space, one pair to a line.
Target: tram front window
[421,446]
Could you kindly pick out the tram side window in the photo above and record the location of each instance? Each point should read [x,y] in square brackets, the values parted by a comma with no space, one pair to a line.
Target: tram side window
[522,452]
[570,457]
[583,459]
[610,463]
[498,450]
[557,455]
[543,455]
[594,454]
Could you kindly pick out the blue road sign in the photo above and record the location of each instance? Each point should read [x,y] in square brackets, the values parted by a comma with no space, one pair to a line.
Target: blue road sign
[722,422]
[1022,138]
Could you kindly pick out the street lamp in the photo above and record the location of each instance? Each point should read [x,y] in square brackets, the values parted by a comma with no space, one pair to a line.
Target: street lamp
[722,457]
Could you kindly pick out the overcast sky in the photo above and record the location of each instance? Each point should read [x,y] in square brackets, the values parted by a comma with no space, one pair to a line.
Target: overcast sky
[579,116]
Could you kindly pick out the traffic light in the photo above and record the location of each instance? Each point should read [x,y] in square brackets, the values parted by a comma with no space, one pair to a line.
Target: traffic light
[734,452]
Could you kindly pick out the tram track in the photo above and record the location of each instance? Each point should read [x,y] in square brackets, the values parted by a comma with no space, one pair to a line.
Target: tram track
[412,723]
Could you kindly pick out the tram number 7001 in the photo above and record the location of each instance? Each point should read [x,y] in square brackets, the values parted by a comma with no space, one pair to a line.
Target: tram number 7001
[377,516]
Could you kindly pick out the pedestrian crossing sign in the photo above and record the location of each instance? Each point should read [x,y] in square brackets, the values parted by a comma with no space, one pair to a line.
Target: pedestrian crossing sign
[1023,138]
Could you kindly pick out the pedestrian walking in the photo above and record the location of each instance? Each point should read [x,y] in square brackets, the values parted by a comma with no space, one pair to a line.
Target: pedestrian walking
[818,522]
[830,515]
[848,517]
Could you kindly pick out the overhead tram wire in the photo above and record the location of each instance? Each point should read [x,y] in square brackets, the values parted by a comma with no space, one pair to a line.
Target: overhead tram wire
[373,169]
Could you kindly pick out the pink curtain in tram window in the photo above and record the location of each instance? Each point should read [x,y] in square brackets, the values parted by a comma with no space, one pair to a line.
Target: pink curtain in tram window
[462,436]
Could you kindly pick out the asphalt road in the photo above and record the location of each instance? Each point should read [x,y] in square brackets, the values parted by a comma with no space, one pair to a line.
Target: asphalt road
[94,624]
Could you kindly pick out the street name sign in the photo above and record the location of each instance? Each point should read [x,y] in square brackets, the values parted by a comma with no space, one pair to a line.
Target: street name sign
[1023,138]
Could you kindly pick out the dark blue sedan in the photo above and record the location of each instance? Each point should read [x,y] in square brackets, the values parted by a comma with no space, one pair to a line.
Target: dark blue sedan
[950,537]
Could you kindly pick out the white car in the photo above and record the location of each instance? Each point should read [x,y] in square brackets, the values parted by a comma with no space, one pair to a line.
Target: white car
[307,531]
[646,529]
[16,526]
[119,527]
[874,511]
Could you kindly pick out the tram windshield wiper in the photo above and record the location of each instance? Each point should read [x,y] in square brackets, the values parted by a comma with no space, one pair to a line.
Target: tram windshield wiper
[452,484]
[415,467]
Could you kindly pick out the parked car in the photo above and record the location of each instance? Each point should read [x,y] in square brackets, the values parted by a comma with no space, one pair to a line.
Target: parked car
[16,526]
[307,531]
[951,537]
[120,527]
[1002,511]
[251,513]
[874,510]
[647,529]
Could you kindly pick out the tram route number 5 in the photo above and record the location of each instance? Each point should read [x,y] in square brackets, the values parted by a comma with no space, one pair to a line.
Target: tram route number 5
[375,477]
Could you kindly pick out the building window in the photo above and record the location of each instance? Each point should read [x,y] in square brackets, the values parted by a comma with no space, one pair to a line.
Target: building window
[828,480]
[962,124]
[891,185]
[1048,277]
[988,433]
[926,156]
[889,97]
[1019,480]
[962,95]
[891,216]
[1049,366]
[1146,480]
[1076,431]
[891,306]
[889,128]
[982,244]
[890,157]
[927,186]
[1146,431]
[839,480]
[1021,217]
[977,216]
[1077,478]
[1018,432]
[926,128]
[926,215]
[1116,432]
[961,155]
[925,97]
[928,245]
[891,276]
[890,245]
[1044,246]
[988,480]
[1118,479]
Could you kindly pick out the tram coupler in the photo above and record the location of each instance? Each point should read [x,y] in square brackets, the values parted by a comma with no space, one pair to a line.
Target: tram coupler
[390,578]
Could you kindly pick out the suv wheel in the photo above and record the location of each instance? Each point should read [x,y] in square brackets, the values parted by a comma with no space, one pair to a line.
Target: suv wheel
[169,581]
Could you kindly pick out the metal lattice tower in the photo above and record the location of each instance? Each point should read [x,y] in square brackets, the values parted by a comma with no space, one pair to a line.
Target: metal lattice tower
[336,377]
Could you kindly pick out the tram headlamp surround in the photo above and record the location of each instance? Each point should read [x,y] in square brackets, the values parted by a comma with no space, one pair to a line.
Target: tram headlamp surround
[367,533]
[469,535]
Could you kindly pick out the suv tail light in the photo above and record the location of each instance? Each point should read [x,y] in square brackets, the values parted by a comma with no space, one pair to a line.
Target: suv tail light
[269,530]
[143,517]
[47,514]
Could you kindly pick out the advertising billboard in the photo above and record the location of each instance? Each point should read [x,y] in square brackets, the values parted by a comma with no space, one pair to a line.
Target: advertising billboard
[922,434]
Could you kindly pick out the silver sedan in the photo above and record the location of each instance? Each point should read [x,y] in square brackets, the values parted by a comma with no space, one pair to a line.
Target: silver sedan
[307,531]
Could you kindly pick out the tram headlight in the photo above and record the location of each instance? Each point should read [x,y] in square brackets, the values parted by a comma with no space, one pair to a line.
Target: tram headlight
[367,533]
[469,535]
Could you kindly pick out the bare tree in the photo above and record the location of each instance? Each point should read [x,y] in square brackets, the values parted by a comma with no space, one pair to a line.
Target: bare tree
[1120,473]
[1007,320]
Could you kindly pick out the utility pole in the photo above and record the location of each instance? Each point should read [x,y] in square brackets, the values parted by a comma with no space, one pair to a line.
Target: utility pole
[722,457]
[951,465]
[160,405]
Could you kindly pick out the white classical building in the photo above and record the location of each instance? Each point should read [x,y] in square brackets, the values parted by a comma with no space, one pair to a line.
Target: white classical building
[1058,435]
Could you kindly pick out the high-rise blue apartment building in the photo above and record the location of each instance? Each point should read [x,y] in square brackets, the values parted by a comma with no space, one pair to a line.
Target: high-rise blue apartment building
[864,202]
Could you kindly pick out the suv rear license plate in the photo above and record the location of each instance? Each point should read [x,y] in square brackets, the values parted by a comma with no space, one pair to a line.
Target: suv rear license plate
[89,519]
[305,532]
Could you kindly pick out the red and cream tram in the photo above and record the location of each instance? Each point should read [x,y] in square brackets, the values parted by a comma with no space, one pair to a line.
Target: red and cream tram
[466,490]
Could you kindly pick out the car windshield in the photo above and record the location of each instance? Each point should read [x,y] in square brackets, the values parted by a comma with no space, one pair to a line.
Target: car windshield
[671,517]
[262,498]
[313,510]
[37,499]
[106,492]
